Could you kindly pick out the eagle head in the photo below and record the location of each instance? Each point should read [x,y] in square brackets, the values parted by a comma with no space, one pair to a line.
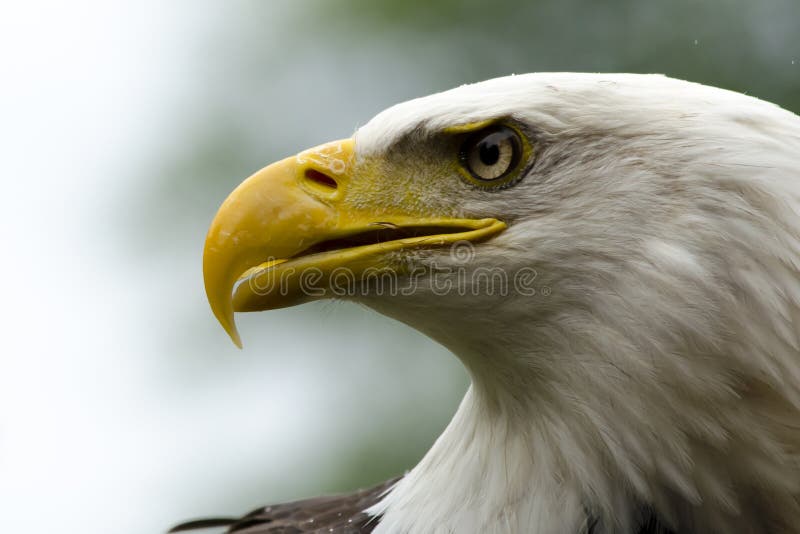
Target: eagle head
[615,260]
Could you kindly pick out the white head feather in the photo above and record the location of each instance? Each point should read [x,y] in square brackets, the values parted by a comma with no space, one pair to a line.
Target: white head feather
[662,370]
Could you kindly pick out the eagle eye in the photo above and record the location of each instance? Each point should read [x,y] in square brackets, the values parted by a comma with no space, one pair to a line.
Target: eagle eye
[491,154]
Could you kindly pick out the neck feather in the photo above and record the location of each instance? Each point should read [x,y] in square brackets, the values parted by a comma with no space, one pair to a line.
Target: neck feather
[574,415]
[484,474]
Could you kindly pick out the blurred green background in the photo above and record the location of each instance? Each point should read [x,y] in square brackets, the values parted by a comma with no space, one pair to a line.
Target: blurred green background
[125,408]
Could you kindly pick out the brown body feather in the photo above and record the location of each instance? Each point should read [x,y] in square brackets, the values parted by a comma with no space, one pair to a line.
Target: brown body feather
[338,514]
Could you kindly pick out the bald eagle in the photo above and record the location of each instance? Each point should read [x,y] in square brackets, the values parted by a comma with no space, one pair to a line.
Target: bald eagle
[616,261]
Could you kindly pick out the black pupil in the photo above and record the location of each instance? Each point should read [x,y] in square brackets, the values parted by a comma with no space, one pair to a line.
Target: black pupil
[489,150]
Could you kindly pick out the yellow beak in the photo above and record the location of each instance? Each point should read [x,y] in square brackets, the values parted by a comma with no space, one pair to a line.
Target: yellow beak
[287,234]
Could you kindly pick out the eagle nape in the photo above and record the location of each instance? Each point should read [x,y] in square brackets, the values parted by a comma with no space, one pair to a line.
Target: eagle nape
[622,255]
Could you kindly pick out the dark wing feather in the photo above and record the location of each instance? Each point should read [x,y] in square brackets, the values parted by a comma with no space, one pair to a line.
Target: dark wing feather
[338,514]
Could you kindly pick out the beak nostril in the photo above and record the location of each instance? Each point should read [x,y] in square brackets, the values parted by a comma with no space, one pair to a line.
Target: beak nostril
[320,178]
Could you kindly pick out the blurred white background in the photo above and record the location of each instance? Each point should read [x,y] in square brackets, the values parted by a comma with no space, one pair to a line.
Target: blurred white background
[123,406]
